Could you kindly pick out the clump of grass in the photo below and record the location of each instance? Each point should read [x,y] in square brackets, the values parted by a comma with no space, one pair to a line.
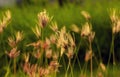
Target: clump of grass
[48,51]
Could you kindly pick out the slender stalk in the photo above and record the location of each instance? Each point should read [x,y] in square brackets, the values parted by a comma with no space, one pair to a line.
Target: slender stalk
[67,69]
[46,61]
[42,50]
[64,63]
[91,67]
[85,68]
[97,60]
[76,56]
[8,69]
[71,68]
[111,50]
[98,48]
[113,56]
[14,67]
[41,58]
[78,63]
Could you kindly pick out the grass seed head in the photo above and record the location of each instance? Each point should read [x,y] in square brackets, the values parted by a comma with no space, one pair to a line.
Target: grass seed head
[13,53]
[55,56]
[103,67]
[75,28]
[113,15]
[43,72]
[86,15]
[48,53]
[116,27]
[91,36]
[43,19]
[19,36]
[86,29]
[71,40]
[5,21]
[70,53]
[37,31]
[54,27]
[31,70]
[62,51]
[11,42]
[100,74]
[36,45]
[45,44]
[1,30]
[88,55]
[115,21]
[37,54]
[26,57]
[53,66]
[53,39]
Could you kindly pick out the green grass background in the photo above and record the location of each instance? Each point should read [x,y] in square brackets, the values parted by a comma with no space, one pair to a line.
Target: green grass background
[25,17]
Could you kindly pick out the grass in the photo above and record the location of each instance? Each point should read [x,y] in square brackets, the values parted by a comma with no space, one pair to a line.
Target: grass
[25,18]
[77,73]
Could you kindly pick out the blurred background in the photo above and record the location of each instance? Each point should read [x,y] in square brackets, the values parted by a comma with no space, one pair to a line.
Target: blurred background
[65,12]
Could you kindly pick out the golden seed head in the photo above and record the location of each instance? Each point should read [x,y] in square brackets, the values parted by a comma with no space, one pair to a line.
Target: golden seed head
[19,36]
[13,53]
[62,51]
[43,72]
[26,67]
[11,42]
[36,45]
[75,28]
[86,29]
[37,54]
[103,67]
[115,21]
[48,53]
[8,15]
[43,18]
[1,30]
[86,15]
[116,28]
[100,74]
[46,44]
[54,27]
[26,57]
[47,41]
[4,22]
[53,66]
[53,39]
[62,39]
[91,36]
[71,40]
[70,53]
[37,31]
[30,69]
[113,15]
[88,55]
[55,56]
